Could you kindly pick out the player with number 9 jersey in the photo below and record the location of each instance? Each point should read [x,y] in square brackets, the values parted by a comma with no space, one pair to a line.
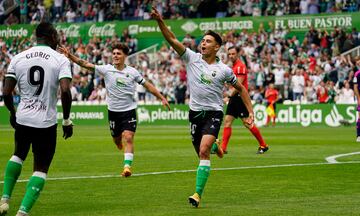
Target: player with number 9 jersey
[37,72]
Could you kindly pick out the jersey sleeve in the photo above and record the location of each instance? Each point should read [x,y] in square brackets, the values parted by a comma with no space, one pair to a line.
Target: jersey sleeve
[11,69]
[100,69]
[139,78]
[65,70]
[189,56]
[230,76]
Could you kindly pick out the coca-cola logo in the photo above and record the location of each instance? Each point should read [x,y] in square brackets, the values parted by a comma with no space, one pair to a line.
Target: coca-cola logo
[70,31]
[106,30]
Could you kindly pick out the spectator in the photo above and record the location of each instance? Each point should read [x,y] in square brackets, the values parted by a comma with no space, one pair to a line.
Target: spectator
[101,92]
[331,93]
[89,14]
[74,92]
[70,15]
[180,92]
[309,92]
[346,95]
[11,20]
[23,4]
[298,84]
[279,73]
[322,93]
[304,4]
[141,93]
[58,4]
[313,7]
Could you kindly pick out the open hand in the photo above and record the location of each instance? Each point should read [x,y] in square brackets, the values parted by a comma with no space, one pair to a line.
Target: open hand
[64,51]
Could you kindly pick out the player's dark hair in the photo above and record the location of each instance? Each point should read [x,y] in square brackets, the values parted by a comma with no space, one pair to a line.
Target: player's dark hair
[122,47]
[215,35]
[45,30]
[47,34]
[234,47]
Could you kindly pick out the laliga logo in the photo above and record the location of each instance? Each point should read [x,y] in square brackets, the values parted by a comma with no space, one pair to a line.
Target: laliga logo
[260,115]
[334,118]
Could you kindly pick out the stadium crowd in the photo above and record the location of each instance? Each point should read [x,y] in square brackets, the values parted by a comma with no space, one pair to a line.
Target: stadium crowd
[310,70]
[32,11]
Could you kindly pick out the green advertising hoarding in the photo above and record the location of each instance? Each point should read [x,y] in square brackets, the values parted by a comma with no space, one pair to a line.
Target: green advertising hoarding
[148,33]
[330,115]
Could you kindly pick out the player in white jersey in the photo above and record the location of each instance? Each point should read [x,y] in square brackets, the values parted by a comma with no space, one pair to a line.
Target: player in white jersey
[38,73]
[206,77]
[120,83]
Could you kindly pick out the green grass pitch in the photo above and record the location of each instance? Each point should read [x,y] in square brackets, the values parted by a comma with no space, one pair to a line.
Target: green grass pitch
[253,184]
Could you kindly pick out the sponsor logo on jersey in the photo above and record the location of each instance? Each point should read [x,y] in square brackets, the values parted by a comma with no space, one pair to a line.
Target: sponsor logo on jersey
[120,82]
[205,79]
[37,105]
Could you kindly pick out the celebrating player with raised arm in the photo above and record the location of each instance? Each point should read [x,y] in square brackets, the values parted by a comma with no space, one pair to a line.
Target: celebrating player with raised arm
[38,72]
[206,77]
[120,81]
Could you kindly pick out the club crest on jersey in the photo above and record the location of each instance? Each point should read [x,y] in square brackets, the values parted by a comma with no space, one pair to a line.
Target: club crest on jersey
[205,79]
[213,74]
[120,82]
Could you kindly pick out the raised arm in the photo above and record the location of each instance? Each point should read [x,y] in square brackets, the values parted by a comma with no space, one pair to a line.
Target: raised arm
[168,35]
[77,60]
[156,93]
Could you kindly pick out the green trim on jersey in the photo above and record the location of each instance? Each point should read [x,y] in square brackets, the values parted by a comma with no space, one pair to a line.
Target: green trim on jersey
[11,76]
[42,45]
[118,69]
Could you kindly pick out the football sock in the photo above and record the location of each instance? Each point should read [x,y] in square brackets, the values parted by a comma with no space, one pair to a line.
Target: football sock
[226,137]
[358,127]
[202,175]
[255,131]
[33,189]
[12,173]
[214,148]
[128,159]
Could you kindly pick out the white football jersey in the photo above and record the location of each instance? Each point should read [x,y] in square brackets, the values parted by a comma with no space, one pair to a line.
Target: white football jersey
[37,72]
[206,81]
[120,86]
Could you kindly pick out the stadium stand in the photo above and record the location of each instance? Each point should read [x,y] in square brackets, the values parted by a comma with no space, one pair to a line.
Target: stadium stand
[317,67]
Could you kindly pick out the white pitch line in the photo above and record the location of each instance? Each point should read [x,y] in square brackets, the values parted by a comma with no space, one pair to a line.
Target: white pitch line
[186,171]
[332,159]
